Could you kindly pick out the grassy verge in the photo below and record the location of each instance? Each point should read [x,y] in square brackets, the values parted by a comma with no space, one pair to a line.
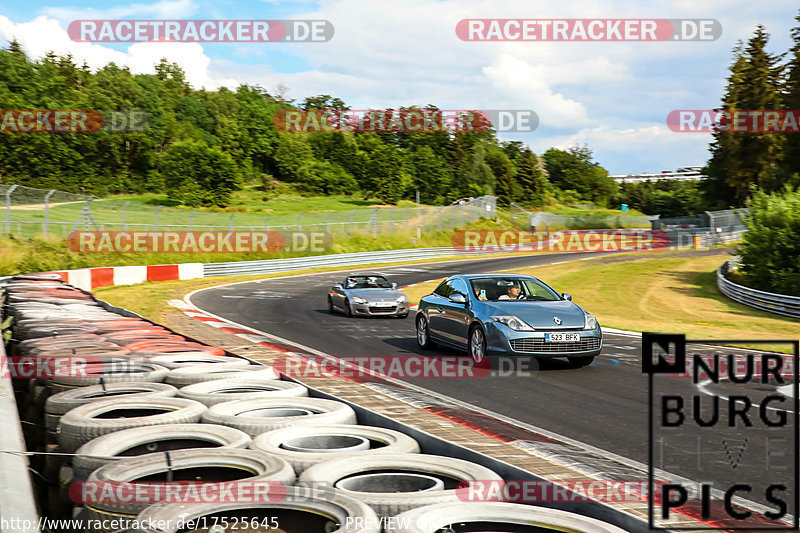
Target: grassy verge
[669,292]
[253,199]
[18,255]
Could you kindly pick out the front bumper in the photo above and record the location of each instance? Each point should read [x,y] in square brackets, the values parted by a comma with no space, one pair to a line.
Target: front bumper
[373,310]
[501,339]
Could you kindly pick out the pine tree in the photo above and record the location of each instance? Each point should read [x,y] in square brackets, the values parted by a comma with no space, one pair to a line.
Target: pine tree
[791,99]
[742,160]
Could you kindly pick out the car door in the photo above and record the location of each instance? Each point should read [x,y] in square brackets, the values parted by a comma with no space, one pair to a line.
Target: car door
[338,294]
[455,317]
[437,301]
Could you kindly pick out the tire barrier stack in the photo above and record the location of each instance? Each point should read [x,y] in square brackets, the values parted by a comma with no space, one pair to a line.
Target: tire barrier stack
[148,407]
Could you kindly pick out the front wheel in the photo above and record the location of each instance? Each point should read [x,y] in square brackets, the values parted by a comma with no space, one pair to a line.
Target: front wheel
[423,333]
[330,305]
[581,361]
[347,311]
[477,345]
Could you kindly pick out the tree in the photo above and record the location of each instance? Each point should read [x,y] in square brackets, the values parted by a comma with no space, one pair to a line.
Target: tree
[770,250]
[196,174]
[385,174]
[741,160]
[791,100]
[531,181]
[574,169]
[432,176]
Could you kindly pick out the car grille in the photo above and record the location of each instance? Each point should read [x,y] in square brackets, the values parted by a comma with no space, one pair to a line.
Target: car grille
[538,345]
[382,310]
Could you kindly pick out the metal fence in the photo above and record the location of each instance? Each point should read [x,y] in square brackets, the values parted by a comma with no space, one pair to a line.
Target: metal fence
[31,212]
[766,301]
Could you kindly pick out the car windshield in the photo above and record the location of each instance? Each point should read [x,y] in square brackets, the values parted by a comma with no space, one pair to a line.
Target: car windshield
[367,282]
[512,289]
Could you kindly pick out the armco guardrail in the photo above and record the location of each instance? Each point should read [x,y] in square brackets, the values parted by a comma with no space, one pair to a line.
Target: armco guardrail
[17,505]
[268,266]
[765,301]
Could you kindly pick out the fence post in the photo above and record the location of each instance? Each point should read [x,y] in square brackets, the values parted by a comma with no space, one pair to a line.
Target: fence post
[440,219]
[408,220]
[125,216]
[351,220]
[230,223]
[374,220]
[8,208]
[328,224]
[156,217]
[46,227]
[298,222]
[391,220]
[191,220]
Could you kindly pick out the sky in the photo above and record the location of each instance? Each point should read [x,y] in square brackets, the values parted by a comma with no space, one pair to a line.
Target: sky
[612,96]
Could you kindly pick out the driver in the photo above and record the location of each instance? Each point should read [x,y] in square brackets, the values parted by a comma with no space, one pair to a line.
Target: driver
[512,293]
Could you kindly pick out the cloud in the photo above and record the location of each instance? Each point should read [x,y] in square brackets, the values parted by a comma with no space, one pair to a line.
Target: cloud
[44,34]
[165,9]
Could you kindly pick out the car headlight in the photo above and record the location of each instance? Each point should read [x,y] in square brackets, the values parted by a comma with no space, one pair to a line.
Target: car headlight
[359,300]
[402,299]
[513,322]
[590,321]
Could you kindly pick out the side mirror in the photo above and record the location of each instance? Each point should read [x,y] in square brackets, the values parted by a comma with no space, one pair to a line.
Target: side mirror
[458,298]
[338,286]
[394,285]
[566,296]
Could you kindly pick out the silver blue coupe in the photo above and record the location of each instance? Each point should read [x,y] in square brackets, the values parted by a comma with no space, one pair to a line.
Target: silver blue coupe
[507,314]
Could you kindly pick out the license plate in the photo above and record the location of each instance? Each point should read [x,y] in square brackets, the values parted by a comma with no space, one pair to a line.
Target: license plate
[382,304]
[562,337]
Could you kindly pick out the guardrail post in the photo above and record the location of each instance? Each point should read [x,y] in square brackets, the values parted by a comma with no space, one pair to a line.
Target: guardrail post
[125,216]
[8,208]
[46,226]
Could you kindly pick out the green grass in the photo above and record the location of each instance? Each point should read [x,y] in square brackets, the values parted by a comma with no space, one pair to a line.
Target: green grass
[665,292]
[341,215]
[252,199]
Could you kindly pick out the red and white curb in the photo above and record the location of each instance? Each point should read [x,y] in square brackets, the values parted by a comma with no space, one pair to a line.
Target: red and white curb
[89,279]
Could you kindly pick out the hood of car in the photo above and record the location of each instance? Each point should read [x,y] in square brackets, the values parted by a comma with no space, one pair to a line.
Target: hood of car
[376,295]
[540,314]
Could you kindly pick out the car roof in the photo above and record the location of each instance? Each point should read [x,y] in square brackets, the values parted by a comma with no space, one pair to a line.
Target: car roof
[473,276]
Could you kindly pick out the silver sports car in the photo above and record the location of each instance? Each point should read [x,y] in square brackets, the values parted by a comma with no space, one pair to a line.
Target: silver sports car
[367,295]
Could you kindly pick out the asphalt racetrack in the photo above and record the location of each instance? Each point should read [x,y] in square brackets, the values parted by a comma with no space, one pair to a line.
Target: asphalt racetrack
[604,405]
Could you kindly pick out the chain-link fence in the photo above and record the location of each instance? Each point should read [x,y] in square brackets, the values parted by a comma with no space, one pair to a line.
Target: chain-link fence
[541,221]
[30,212]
